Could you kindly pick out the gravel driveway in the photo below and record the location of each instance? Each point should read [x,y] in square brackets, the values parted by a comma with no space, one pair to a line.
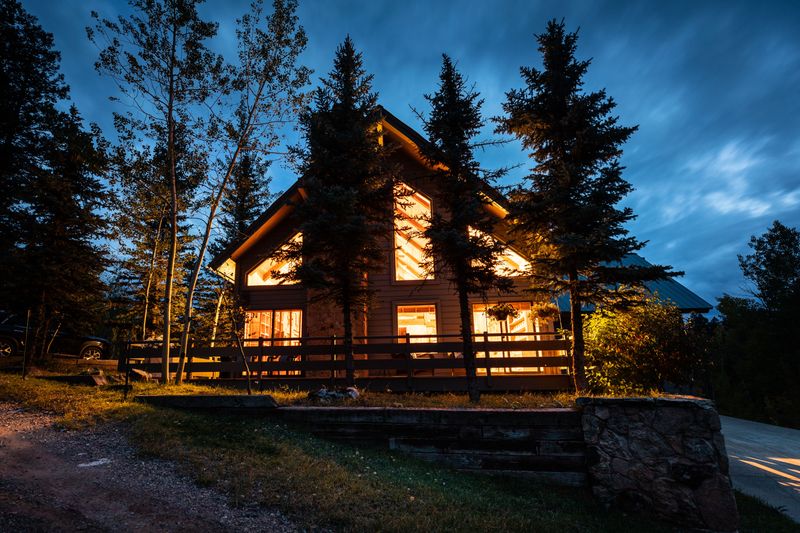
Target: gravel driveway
[56,480]
[765,462]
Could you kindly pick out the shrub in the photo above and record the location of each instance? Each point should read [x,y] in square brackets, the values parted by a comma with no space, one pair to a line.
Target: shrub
[645,347]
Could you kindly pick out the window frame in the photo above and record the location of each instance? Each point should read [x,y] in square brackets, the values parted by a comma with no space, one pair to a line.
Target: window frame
[408,303]
[292,284]
[393,251]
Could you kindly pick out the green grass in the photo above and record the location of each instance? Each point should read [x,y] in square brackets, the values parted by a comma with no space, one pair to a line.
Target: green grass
[323,484]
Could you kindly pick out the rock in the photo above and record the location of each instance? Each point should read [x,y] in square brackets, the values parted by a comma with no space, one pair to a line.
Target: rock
[664,456]
[325,395]
[140,375]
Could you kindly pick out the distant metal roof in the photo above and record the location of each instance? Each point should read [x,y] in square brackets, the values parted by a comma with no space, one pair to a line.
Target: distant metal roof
[666,289]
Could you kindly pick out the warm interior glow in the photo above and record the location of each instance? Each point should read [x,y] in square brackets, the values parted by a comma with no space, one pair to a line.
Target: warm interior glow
[275,324]
[409,256]
[417,320]
[512,329]
[510,263]
[263,274]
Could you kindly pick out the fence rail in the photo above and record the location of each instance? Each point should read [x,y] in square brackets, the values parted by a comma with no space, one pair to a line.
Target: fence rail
[421,362]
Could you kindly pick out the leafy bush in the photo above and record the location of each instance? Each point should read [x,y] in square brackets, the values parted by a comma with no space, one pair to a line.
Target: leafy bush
[645,347]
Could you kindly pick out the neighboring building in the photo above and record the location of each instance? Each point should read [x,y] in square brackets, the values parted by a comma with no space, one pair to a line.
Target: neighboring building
[407,301]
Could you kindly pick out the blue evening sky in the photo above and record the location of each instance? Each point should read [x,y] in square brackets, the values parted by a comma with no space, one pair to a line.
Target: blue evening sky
[713,86]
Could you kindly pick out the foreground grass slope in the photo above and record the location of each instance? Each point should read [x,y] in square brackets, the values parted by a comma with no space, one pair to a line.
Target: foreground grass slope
[324,484]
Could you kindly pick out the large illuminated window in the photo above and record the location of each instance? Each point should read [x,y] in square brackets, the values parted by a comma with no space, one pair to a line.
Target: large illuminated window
[412,211]
[275,324]
[415,320]
[513,328]
[264,273]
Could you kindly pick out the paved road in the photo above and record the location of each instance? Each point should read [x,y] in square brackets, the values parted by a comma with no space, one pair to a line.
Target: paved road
[765,462]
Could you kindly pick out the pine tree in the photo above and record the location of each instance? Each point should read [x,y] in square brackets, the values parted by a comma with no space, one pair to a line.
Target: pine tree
[30,87]
[50,192]
[247,198]
[346,219]
[140,219]
[62,263]
[565,216]
[461,239]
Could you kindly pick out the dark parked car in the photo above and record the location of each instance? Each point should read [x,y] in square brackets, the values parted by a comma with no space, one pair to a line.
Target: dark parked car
[12,342]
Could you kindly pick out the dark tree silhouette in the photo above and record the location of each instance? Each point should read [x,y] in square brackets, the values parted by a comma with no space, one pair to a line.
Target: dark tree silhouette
[30,87]
[346,218]
[565,216]
[460,239]
[50,191]
[774,265]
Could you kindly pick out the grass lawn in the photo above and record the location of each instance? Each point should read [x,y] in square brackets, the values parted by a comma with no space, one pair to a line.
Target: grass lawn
[323,484]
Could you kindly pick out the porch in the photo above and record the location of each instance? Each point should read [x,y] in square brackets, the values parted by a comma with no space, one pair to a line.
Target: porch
[505,362]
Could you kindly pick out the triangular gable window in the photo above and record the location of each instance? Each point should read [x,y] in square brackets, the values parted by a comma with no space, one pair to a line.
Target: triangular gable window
[264,273]
[510,263]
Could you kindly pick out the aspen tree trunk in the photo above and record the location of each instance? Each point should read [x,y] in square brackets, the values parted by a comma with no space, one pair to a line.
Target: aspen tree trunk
[173,249]
[150,275]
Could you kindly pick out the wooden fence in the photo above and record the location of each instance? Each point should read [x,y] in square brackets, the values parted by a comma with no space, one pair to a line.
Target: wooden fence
[398,363]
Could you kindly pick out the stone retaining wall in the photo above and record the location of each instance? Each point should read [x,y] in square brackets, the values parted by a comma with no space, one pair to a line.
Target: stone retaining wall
[657,455]
[545,444]
[662,456]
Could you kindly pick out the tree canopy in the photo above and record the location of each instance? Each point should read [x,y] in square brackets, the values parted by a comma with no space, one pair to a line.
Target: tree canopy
[460,235]
[566,215]
[345,220]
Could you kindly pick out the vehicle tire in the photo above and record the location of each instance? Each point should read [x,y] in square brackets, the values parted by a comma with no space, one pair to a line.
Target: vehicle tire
[92,352]
[8,348]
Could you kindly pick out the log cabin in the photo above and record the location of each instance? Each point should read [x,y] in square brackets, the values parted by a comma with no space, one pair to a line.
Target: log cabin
[411,305]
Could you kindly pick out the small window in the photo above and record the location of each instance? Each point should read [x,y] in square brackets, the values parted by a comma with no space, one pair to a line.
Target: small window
[417,320]
[412,212]
[264,274]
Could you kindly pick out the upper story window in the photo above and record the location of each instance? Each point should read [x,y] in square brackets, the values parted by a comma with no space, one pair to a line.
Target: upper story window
[412,212]
[264,273]
[509,263]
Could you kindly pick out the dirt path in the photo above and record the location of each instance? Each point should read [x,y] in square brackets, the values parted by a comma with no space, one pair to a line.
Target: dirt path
[56,480]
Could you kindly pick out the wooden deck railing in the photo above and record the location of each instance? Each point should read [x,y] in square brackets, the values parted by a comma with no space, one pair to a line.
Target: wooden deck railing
[410,362]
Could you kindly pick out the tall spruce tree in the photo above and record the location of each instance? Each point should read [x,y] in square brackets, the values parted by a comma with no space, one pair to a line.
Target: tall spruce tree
[460,238]
[50,191]
[346,219]
[141,221]
[247,197]
[565,216]
[30,87]
[62,263]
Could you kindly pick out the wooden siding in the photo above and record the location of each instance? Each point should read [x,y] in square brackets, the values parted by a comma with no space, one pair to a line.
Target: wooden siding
[389,293]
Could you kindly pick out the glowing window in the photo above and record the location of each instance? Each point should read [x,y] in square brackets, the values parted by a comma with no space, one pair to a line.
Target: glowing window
[417,321]
[263,274]
[275,324]
[514,327]
[510,263]
[412,213]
